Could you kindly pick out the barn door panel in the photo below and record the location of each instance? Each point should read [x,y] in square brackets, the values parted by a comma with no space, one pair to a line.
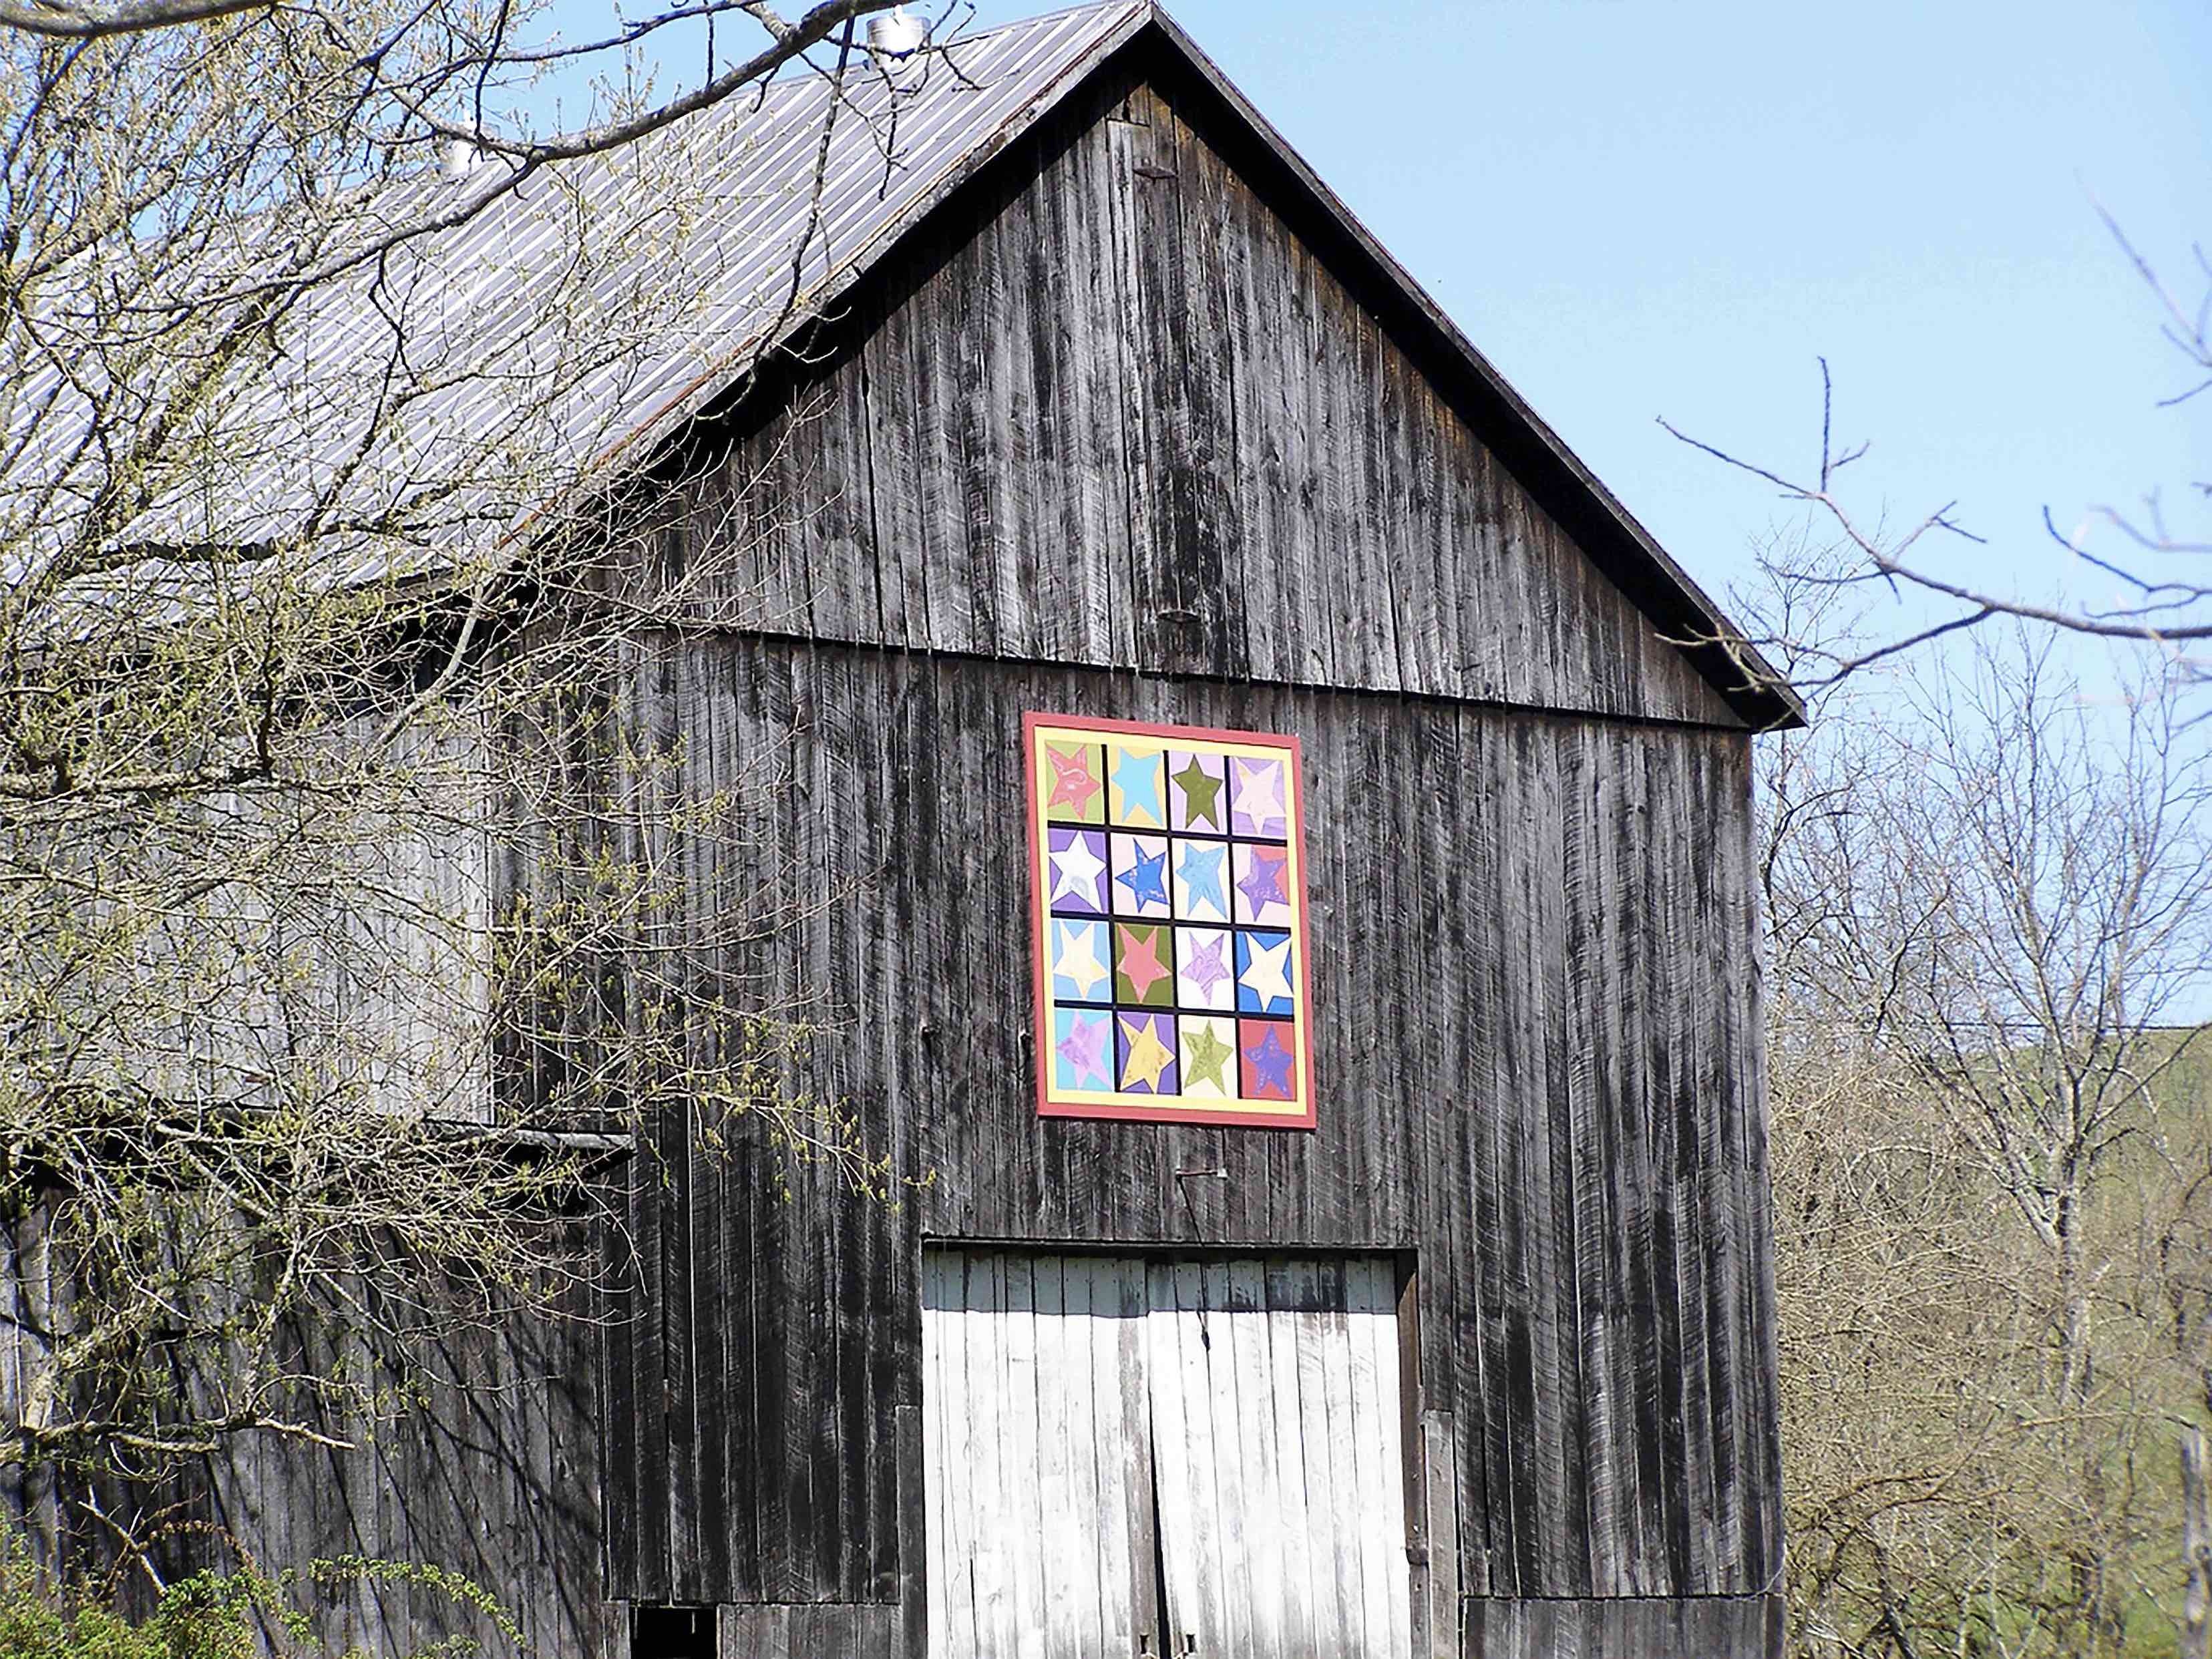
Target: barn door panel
[1275,1424]
[1036,1463]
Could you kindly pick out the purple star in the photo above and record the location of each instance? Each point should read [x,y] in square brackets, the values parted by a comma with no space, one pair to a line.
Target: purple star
[1271,1065]
[1263,882]
[1205,968]
[1083,1049]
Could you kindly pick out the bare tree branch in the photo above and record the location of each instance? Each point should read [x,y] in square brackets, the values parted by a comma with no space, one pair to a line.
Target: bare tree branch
[64,20]
[2172,610]
[348,921]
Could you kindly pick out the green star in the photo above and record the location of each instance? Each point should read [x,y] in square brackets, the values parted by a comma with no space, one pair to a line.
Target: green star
[1204,1056]
[1199,789]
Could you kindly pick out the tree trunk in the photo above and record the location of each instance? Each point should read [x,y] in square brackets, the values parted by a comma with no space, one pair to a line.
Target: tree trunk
[2197,1549]
[2074,1301]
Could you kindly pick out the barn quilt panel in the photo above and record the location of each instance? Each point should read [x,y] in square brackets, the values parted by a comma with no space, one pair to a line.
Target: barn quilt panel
[1168,923]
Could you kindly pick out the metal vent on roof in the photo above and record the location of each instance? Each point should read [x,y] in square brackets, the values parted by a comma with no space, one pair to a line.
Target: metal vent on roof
[894,41]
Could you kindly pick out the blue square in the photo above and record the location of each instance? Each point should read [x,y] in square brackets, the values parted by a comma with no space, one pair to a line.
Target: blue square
[1082,961]
[1267,973]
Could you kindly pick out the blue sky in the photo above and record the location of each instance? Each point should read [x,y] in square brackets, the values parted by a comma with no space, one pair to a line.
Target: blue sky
[1639,208]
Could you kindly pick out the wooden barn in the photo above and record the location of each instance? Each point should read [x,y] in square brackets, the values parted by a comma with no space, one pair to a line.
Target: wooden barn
[1282,844]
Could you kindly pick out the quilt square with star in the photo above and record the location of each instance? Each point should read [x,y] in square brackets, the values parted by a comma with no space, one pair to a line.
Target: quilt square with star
[1169,923]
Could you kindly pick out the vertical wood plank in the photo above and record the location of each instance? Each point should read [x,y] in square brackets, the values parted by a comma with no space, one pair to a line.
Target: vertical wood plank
[648,1368]
[1607,1162]
[997,427]
[1290,627]
[1088,385]
[1263,1506]
[1325,1395]
[1440,1465]
[835,507]
[1210,1374]
[1562,1310]
[1091,1596]
[1035,1403]
[939,394]
[1129,141]
[888,365]
[1637,1172]
[710,1578]
[1212,538]
[1127,1441]
[997,1609]
[1181,1449]
[920,1552]
[946,1400]
[1370,1322]
[1301,1514]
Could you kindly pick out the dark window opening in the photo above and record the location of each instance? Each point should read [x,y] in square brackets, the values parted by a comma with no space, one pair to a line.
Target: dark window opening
[671,1634]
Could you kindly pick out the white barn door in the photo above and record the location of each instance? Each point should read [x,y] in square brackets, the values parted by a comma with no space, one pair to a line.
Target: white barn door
[1037,1465]
[1280,1479]
[1125,1458]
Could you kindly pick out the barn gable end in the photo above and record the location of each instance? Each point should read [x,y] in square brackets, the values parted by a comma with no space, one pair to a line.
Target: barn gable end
[1133,425]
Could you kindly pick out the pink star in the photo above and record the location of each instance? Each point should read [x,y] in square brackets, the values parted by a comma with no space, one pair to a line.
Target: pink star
[1140,961]
[1071,782]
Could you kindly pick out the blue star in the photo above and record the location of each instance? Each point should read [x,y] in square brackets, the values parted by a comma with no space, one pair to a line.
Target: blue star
[1271,1064]
[1146,878]
[1203,868]
[1137,776]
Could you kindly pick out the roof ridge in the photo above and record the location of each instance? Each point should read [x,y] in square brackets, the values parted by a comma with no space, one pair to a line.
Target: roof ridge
[1051,17]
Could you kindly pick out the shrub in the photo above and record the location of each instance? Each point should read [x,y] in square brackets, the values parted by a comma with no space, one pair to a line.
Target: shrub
[213,1615]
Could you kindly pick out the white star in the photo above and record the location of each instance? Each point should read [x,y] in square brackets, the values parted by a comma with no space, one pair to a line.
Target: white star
[1077,954]
[1267,974]
[1075,872]
[1259,785]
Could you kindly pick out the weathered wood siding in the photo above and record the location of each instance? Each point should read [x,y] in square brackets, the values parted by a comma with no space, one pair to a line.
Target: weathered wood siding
[1537,1058]
[1624,1629]
[1108,408]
